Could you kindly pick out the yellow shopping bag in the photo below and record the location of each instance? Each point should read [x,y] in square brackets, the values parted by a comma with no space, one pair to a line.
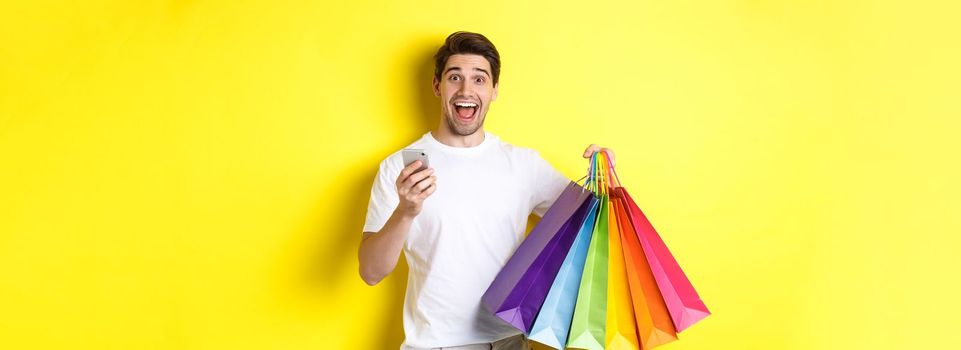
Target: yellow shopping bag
[621,330]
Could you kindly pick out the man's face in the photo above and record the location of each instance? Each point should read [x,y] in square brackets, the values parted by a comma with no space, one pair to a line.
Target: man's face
[466,90]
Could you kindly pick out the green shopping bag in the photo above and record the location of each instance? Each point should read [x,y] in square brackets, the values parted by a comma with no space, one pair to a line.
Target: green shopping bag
[590,310]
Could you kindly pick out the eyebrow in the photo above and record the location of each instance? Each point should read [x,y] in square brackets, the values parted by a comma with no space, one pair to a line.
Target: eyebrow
[477,69]
[482,70]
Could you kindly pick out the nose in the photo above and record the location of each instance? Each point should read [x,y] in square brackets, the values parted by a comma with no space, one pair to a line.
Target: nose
[464,89]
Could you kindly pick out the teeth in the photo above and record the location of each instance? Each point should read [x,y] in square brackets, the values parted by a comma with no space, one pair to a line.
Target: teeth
[465,104]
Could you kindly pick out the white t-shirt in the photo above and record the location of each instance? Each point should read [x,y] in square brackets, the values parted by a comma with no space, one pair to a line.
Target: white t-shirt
[467,230]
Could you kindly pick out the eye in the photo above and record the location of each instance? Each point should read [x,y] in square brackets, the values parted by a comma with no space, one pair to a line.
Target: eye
[479,80]
[454,77]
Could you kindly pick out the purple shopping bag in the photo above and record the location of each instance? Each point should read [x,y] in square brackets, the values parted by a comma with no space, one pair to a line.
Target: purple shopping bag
[571,199]
[521,306]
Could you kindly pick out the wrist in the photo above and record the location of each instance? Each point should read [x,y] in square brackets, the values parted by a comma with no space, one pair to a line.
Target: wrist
[404,214]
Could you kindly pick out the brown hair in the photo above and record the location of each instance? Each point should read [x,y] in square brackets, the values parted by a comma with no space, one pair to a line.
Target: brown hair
[467,43]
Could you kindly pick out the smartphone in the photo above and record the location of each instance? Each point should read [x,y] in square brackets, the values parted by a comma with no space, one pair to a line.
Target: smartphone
[413,155]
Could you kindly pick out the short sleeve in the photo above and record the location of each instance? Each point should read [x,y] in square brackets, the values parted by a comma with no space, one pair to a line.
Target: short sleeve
[548,183]
[383,197]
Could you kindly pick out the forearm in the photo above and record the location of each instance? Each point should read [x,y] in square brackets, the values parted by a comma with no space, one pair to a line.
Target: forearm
[380,251]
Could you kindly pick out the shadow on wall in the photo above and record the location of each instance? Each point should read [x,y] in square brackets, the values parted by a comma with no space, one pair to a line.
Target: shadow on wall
[422,70]
[327,260]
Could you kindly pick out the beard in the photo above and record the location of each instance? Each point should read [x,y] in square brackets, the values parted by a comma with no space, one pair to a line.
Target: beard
[465,129]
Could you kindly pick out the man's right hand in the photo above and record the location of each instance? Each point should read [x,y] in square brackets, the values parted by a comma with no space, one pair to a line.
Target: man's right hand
[380,250]
[413,187]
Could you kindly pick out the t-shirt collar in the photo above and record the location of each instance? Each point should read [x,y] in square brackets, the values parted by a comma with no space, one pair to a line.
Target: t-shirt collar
[488,139]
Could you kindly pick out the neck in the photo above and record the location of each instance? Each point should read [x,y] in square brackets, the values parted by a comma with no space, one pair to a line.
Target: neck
[444,135]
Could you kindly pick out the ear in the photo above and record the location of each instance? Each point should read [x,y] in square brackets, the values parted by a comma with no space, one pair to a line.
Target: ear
[494,96]
[436,85]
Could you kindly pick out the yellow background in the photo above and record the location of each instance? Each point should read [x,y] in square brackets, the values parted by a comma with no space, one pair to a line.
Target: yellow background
[194,174]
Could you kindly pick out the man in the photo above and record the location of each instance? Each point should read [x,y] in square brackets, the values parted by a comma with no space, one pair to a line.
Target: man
[458,222]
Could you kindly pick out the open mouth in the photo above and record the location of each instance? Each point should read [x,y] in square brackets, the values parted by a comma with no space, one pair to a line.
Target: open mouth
[465,110]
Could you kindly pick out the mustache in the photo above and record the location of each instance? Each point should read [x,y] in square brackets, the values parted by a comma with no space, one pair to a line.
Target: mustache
[464,99]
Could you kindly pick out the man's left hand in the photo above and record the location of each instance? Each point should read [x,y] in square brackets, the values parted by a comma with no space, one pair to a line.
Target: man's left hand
[595,148]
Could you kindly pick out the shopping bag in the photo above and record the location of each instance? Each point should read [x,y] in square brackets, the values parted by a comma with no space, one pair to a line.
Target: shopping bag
[553,322]
[572,198]
[594,274]
[621,327]
[521,306]
[590,310]
[654,325]
[682,301]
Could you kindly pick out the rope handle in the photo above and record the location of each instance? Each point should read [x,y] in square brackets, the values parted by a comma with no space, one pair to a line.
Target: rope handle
[601,175]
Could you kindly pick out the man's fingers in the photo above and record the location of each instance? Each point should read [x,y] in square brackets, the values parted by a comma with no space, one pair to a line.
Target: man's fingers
[409,169]
[590,150]
[404,173]
[595,148]
[407,181]
[418,176]
[411,190]
[421,186]
[426,193]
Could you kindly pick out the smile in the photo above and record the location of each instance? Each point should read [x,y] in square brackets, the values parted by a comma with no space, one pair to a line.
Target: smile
[465,110]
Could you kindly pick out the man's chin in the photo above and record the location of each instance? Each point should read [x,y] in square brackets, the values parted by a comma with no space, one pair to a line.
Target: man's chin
[466,131]
[462,129]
